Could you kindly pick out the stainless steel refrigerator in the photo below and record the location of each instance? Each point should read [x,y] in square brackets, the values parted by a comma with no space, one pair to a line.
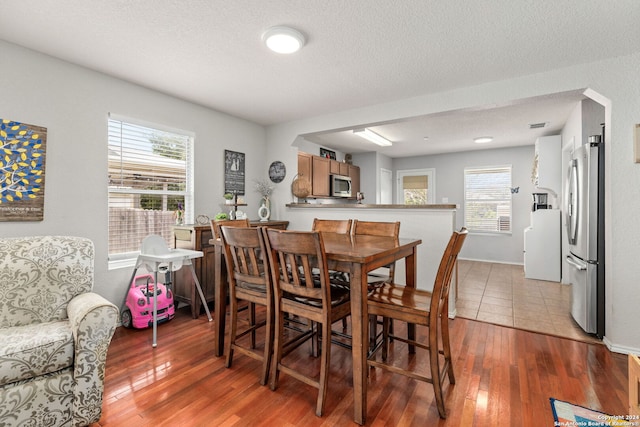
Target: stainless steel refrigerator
[585,228]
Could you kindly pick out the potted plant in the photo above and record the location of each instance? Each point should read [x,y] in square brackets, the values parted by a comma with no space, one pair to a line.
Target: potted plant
[221,216]
[265,189]
[228,198]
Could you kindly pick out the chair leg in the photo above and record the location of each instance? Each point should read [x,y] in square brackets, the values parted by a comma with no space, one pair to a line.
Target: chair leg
[268,347]
[435,370]
[315,339]
[444,324]
[325,360]
[373,330]
[277,350]
[385,337]
[233,324]
[252,323]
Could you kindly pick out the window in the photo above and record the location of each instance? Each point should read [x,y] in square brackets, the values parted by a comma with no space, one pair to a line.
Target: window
[416,187]
[150,178]
[487,199]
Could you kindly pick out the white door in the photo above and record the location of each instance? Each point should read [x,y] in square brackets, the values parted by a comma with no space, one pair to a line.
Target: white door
[416,186]
[386,187]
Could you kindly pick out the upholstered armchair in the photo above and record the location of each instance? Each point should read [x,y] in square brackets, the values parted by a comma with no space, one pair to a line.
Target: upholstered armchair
[54,332]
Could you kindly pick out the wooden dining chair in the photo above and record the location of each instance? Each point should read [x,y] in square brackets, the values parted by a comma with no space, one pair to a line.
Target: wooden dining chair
[378,228]
[381,275]
[430,309]
[250,281]
[217,223]
[292,256]
[339,226]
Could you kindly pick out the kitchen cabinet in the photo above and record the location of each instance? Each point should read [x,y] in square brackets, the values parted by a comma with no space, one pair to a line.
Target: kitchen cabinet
[548,164]
[304,167]
[320,171]
[339,168]
[353,172]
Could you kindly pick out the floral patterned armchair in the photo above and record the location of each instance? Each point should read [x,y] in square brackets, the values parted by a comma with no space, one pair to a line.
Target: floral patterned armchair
[54,332]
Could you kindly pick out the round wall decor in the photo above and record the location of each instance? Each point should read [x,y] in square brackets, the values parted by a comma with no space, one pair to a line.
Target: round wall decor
[277,171]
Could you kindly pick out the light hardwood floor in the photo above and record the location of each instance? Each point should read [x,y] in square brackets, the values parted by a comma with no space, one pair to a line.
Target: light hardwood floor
[499,293]
[504,377]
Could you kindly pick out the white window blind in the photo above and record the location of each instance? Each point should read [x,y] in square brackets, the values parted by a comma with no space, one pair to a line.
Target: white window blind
[415,189]
[150,178]
[487,199]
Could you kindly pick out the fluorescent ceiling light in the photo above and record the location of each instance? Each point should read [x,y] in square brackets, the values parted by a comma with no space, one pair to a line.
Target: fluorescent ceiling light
[483,139]
[283,39]
[373,137]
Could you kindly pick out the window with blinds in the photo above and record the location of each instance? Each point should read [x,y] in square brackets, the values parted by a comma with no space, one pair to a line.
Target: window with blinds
[415,189]
[150,180]
[416,186]
[487,199]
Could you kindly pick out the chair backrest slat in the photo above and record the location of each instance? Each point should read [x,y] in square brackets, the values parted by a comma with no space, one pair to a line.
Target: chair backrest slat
[217,223]
[376,228]
[338,226]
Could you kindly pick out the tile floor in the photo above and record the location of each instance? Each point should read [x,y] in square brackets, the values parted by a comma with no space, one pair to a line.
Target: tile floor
[499,293]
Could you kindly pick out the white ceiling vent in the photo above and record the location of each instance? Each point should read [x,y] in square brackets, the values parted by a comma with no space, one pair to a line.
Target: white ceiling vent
[537,125]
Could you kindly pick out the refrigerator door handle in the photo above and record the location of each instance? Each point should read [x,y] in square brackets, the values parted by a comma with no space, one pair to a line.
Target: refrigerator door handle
[580,266]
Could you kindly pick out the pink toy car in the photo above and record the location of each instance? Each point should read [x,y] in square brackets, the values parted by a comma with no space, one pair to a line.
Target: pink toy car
[138,312]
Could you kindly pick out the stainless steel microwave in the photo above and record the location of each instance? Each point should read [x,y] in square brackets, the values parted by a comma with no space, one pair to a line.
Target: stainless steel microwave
[340,186]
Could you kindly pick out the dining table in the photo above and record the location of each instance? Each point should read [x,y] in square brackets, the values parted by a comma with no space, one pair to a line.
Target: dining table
[354,254]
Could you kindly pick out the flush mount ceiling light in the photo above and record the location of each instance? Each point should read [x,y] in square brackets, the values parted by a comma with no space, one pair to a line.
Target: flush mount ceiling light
[483,139]
[283,39]
[373,137]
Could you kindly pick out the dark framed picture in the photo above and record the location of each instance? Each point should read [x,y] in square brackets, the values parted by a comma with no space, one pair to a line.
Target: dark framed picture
[277,171]
[233,172]
[327,153]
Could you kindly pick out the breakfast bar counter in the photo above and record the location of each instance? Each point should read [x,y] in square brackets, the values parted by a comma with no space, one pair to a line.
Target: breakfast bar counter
[433,224]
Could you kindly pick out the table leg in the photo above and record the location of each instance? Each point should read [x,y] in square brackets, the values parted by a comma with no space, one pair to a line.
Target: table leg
[411,270]
[220,309]
[360,341]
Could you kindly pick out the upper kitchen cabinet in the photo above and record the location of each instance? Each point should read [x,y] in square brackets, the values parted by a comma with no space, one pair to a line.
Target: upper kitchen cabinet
[304,167]
[317,170]
[354,174]
[547,170]
[320,170]
[339,168]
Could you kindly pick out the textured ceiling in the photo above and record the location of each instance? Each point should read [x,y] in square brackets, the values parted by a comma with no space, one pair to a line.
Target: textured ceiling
[358,52]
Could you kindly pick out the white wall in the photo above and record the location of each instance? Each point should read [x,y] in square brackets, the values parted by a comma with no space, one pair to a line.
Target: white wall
[506,248]
[73,104]
[614,79]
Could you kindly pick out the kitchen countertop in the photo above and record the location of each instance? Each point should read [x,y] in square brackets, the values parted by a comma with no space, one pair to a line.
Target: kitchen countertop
[367,206]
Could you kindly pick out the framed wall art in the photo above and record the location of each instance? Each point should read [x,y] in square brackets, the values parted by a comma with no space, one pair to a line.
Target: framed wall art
[277,171]
[233,172]
[22,167]
[327,153]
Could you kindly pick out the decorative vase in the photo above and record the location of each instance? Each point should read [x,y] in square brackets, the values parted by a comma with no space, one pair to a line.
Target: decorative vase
[264,212]
[179,217]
